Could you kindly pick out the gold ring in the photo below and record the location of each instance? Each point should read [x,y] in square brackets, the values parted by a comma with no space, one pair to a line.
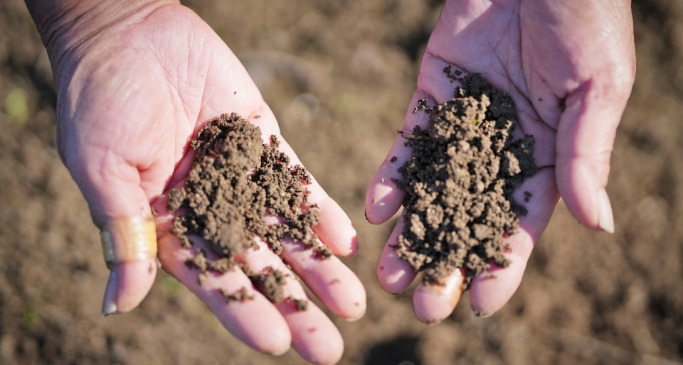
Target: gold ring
[128,240]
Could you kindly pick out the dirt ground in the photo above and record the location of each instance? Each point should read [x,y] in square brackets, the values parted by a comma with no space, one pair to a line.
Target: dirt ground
[339,76]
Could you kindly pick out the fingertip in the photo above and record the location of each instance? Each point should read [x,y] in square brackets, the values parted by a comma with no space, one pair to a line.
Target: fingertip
[336,230]
[329,279]
[328,354]
[315,337]
[430,308]
[491,290]
[355,306]
[359,311]
[277,341]
[393,273]
[605,215]
[383,198]
[330,357]
[433,303]
[579,190]
[128,284]
[276,344]
[353,248]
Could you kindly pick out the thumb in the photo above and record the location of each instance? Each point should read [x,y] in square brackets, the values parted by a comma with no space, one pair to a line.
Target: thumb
[585,138]
[120,209]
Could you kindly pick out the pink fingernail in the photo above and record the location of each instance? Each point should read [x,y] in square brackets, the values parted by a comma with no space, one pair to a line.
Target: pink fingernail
[605,217]
[110,295]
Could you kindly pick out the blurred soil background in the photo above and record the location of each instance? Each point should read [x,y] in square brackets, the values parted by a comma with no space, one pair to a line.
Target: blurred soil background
[339,75]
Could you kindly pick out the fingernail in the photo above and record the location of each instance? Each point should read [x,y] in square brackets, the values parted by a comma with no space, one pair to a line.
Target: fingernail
[451,287]
[110,295]
[281,352]
[432,303]
[356,318]
[605,217]
[433,322]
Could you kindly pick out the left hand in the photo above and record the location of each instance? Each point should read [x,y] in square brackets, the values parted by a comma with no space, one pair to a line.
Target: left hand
[569,66]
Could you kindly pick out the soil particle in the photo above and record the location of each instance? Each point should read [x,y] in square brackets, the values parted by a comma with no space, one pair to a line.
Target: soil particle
[270,283]
[198,261]
[235,181]
[238,296]
[202,278]
[459,182]
[322,252]
[527,196]
[454,75]
[300,304]
[421,105]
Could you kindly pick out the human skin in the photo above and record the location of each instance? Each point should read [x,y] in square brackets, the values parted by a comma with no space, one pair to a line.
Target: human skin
[135,81]
[569,66]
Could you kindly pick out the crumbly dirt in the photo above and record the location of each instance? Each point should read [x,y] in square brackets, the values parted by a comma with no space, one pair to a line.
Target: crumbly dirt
[241,295]
[236,181]
[270,283]
[299,304]
[459,182]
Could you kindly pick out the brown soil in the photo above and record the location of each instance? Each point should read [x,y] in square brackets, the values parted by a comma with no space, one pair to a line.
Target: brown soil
[459,182]
[299,304]
[239,296]
[270,284]
[339,77]
[235,181]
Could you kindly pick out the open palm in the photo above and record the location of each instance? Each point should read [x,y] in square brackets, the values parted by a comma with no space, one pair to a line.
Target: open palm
[569,66]
[130,98]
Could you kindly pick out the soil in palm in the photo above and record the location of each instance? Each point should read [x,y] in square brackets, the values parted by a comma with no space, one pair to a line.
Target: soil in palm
[459,182]
[235,182]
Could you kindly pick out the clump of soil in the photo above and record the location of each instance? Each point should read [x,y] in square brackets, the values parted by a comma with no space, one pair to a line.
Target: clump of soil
[239,296]
[459,182]
[270,284]
[235,181]
[299,304]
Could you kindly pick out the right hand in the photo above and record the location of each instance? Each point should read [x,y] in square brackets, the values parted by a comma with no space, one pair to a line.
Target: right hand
[135,83]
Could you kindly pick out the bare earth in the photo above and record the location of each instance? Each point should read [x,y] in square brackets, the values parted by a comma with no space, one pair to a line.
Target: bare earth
[339,76]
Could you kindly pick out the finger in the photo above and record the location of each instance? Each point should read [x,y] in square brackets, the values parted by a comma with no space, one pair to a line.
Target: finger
[314,336]
[493,288]
[345,295]
[120,208]
[335,229]
[129,246]
[255,321]
[394,274]
[330,280]
[384,197]
[586,135]
[434,302]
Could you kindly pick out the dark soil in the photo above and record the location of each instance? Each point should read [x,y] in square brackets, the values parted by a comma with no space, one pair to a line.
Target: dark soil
[459,182]
[239,296]
[235,181]
[270,284]
[299,304]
